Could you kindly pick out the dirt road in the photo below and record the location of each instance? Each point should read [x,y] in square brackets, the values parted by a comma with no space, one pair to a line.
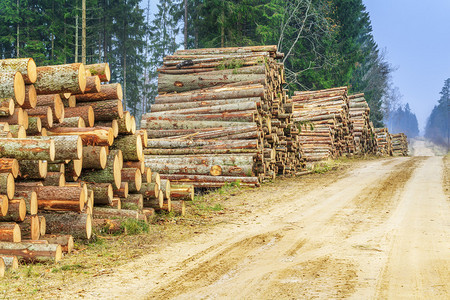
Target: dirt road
[379,231]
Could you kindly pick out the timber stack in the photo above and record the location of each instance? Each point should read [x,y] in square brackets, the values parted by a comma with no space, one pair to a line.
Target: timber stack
[323,119]
[399,144]
[384,143]
[363,130]
[221,116]
[70,158]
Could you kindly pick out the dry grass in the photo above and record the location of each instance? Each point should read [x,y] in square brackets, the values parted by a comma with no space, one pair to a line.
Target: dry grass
[106,252]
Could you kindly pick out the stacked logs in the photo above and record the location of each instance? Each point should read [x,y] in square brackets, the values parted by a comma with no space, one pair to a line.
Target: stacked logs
[399,144]
[70,157]
[222,116]
[384,143]
[363,131]
[323,120]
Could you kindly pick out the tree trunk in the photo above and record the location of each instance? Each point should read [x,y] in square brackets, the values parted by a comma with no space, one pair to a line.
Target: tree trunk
[66,146]
[9,165]
[122,191]
[149,190]
[131,146]
[27,149]
[133,201]
[182,192]
[64,240]
[94,157]
[17,210]
[107,110]
[101,70]
[86,112]
[30,228]
[103,193]
[30,97]
[54,179]
[34,126]
[75,224]
[135,164]
[61,198]
[30,198]
[111,91]
[26,66]
[7,185]
[111,173]
[43,112]
[11,262]
[57,79]
[95,136]
[163,123]
[10,232]
[18,118]
[173,107]
[32,252]
[106,213]
[210,181]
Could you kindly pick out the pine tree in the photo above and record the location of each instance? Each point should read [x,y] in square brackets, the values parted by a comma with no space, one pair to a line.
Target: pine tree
[438,124]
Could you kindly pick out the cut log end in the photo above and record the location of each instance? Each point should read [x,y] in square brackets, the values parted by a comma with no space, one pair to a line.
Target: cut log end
[5,204]
[19,88]
[11,106]
[117,172]
[52,150]
[91,116]
[79,147]
[31,71]
[82,78]
[43,168]
[10,186]
[103,157]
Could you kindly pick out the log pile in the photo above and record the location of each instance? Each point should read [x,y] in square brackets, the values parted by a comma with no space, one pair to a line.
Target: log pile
[399,143]
[363,131]
[221,116]
[384,144]
[70,158]
[323,120]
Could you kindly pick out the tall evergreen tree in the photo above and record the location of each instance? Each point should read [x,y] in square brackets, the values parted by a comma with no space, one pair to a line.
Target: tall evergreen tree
[438,124]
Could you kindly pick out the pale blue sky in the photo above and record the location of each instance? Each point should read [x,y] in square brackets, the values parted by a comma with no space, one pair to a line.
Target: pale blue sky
[416,35]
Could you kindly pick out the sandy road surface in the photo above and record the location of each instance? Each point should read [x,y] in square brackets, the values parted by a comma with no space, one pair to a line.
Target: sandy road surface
[381,231]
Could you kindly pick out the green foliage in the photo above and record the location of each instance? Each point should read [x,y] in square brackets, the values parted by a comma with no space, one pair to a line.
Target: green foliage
[438,124]
[133,226]
[403,120]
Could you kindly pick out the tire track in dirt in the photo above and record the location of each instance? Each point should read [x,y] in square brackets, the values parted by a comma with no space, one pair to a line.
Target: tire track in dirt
[214,267]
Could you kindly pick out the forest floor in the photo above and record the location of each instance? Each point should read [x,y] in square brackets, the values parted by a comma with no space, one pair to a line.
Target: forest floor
[365,228]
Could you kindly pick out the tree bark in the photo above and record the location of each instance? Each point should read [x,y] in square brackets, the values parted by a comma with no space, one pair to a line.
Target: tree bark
[30,228]
[106,213]
[182,192]
[103,193]
[17,117]
[106,110]
[9,165]
[86,112]
[122,191]
[10,232]
[30,198]
[64,240]
[111,173]
[94,136]
[54,179]
[210,181]
[34,126]
[60,198]
[17,211]
[7,185]
[131,146]
[43,112]
[77,122]
[32,252]
[133,201]
[61,79]
[107,92]
[133,176]
[12,86]
[94,157]
[11,262]
[26,66]
[75,224]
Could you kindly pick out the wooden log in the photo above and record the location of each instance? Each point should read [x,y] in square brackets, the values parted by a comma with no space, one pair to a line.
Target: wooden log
[149,214]
[64,240]
[17,117]
[17,131]
[133,201]
[144,136]
[219,109]
[69,78]
[154,203]
[111,173]
[66,146]
[106,110]
[92,84]
[73,168]
[30,228]
[133,176]
[26,66]
[17,211]
[210,181]
[116,203]
[133,127]
[113,124]
[30,198]
[107,92]
[149,190]
[9,165]
[30,97]
[75,224]
[101,70]
[208,144]
[215,169]
[10,232]
[94,157]
[5,134]
[107,213]
[61,198]
[174,107]
[43,112]
[34,126]
[27,149]
[124,123]
[165,188]
[32,252]
[134,164]
[77,122]
[122,191]
[95,136]
[166,123]
[54,179]
[131,146]
[11,262]
[182,192]
[33,169]
[178,207]
[7,184]
[12,86]
[103,193]
[86,112]
[7,107]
